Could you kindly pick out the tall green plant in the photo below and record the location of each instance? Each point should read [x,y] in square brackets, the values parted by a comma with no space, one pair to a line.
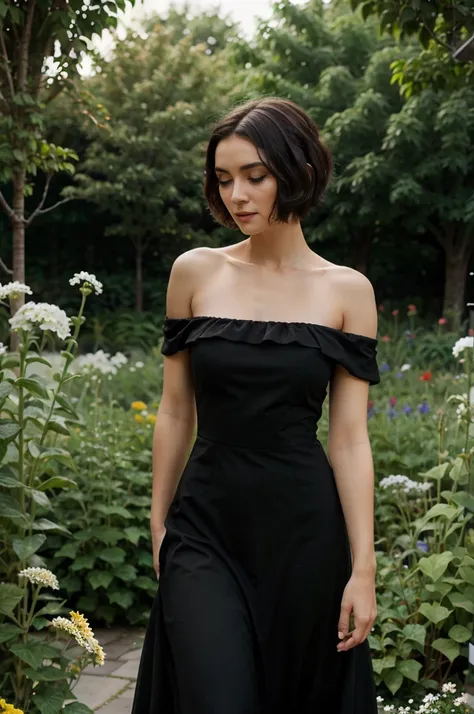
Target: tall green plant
[35,417]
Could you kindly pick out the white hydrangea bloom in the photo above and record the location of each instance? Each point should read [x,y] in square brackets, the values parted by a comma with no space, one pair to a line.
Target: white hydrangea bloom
[46,316]
[99,361]
[405,484]
[3,349]
[462,344]
[40,576]
[14,290]
[90,278]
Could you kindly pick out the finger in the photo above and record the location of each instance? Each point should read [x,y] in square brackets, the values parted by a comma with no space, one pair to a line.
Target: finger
[354,638]
[343,625]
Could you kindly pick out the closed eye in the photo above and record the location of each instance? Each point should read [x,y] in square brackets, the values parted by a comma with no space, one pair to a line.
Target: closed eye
[252,180]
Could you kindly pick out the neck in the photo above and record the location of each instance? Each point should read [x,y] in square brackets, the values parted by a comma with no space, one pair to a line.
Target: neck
[282,245]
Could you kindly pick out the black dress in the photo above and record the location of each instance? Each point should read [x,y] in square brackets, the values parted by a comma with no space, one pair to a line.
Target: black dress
[256,555]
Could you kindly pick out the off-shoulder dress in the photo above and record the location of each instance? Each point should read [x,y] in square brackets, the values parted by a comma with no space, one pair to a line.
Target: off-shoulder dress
[256,554]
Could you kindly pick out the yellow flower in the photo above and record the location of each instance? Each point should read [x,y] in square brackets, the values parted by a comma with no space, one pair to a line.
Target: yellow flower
[81,623]
[151,418]
[138,406]
[9,708]
[138,418]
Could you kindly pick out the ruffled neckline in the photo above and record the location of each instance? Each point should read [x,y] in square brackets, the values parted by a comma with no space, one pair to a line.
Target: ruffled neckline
[276,323]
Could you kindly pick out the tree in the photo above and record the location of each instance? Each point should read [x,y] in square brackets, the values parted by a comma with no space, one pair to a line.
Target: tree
[42,43]
[162,91]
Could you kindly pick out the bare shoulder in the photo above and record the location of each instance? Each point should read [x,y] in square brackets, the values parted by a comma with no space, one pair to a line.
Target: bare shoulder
[189,270]
[357,300]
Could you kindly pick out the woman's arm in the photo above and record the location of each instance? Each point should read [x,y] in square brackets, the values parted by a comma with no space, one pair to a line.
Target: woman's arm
[176,416]
[350,456]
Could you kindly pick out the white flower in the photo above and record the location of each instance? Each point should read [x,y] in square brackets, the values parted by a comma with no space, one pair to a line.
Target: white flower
[460,701]
[404,484]
[139,365]
[14,290]
[462,344]
[405,367]
[78,627]
[40,576]
[99,361]
[3,349]
[449,687]
[89,278]
[48,317]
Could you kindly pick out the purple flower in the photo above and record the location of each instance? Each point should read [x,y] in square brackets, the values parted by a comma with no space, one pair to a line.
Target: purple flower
[399,375]
[384,367]
[371,412]
[421,545]
[423,408]
[407,409]
[391,413]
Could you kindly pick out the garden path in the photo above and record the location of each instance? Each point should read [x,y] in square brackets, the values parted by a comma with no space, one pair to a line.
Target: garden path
[109,689]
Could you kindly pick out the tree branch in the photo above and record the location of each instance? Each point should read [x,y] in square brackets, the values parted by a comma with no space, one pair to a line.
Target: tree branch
[8,210]
[7,270]
[24,48]
[437,39]
[40,205]
[37,213]
[7,64]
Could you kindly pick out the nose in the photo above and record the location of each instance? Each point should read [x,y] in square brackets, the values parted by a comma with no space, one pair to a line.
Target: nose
[239,194]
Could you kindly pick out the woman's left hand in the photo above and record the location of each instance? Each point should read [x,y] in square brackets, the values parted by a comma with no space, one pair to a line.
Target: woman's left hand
[360,600]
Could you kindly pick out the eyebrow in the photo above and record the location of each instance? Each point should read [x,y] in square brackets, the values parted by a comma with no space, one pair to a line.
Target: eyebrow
[242,168]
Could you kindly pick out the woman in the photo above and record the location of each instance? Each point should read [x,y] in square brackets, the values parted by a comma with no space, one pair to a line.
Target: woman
[265,549]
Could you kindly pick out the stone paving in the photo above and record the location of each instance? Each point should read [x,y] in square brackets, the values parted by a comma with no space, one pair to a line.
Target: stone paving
[109,689]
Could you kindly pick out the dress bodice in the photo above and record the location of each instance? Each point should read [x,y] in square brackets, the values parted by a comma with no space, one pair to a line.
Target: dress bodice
[262,383]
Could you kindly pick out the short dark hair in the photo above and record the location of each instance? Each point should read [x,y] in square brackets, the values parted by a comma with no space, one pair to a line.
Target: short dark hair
[290,139]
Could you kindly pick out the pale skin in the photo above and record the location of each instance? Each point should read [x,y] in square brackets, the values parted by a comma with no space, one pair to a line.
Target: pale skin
[274,275]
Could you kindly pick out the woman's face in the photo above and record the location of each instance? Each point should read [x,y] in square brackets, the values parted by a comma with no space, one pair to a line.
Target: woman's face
[246,187]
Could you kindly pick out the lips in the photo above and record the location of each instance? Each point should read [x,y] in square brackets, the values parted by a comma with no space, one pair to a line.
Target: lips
[245,215]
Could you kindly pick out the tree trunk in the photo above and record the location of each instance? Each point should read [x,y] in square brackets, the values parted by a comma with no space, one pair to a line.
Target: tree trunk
[457,253]
[139,275]
[360,256]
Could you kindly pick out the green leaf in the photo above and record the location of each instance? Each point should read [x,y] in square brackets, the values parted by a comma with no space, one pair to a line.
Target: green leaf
[434,612]
[450,649]
[56,454]
[10,596]
[5,389]
[34,653]
[440,510]
[37,358]
[11,509]
[466,500]
[43,524]
[46,674]
[417,633]
[124,598]
[33,386]
[460,600]
[410,669]
[114,556]
[26,547]
[52,702]
[83,561]
[437,472]
[77,708]
[132,534]
[69,550]
[57,425]
[393,679]
[385,663]
[467,574]
[435,565]
[459,633]
[57,482]
[126,572]
[51,608]
[100,578]
[8,430]
[8,631]
[115,511]
[9,482]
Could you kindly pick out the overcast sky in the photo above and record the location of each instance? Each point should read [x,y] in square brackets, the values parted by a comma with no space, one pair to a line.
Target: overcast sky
[244,11]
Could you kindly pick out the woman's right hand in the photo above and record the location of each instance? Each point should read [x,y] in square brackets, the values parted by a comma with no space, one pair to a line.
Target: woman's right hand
[157,539]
